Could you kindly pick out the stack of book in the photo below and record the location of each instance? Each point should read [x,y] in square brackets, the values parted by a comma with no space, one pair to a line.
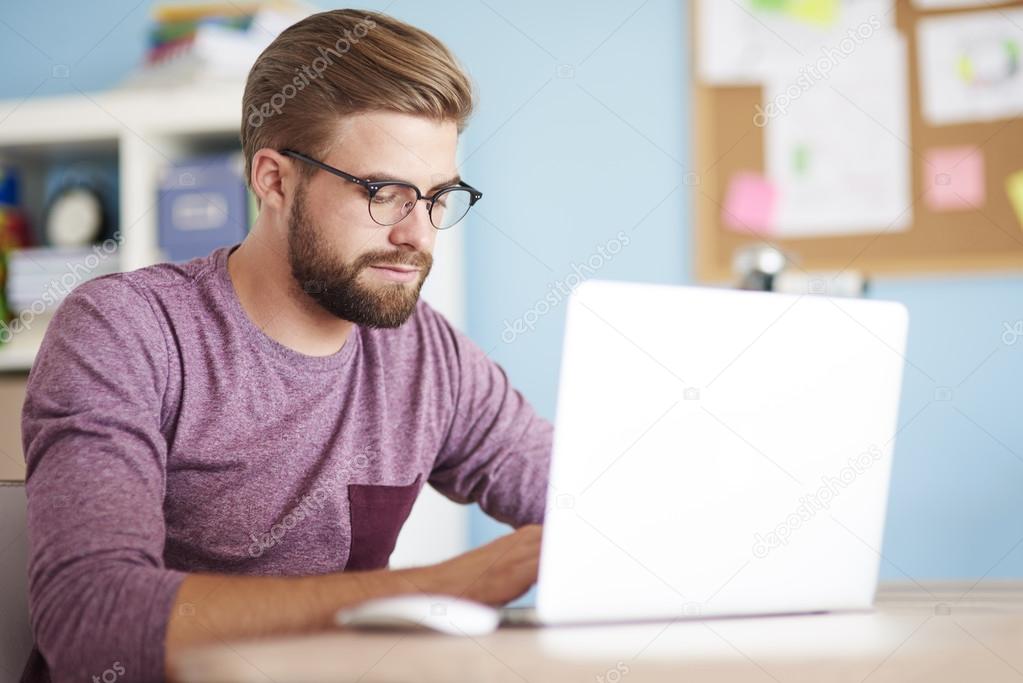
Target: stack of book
[191,43]
[38,278]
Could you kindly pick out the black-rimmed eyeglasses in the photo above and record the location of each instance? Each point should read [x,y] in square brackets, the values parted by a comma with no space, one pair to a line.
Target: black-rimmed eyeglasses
[390,201]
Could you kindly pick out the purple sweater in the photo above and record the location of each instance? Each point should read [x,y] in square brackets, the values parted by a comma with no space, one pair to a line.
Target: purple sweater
[165,433]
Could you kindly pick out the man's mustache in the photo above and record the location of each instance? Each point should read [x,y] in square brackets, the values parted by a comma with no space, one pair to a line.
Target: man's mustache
[416,259]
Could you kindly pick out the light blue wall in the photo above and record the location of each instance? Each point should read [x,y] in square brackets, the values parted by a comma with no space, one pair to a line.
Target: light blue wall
[956,503]
[569,157]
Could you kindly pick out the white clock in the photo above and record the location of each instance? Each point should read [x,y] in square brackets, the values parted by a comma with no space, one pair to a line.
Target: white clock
[75,218]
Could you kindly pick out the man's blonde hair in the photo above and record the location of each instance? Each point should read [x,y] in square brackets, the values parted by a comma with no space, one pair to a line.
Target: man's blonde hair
[343,62]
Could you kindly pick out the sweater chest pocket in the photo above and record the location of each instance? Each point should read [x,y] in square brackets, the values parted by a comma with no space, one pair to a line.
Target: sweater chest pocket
[377,514]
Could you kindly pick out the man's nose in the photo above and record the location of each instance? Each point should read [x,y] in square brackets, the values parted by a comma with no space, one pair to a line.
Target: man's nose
[415,230]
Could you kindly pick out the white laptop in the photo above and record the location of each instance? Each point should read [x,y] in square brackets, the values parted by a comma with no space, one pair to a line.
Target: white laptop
[718,452]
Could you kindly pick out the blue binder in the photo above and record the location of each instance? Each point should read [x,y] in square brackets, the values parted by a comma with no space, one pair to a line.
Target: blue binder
[203,205]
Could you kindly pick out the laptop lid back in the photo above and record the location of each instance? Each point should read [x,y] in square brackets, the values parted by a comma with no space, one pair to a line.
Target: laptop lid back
[719,452]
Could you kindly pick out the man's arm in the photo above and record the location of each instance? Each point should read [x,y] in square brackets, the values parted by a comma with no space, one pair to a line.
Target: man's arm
[99,593]
[497,451]
[214,608]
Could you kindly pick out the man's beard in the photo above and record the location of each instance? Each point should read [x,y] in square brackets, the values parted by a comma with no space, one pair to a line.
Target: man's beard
[334,285]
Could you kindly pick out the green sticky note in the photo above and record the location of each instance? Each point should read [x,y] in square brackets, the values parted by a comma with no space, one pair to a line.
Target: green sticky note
[1014,188]
[1013,49]
[801,159]
[769,5]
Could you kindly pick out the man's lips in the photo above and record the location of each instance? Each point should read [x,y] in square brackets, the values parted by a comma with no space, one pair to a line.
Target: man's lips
[396,272]
[400,268]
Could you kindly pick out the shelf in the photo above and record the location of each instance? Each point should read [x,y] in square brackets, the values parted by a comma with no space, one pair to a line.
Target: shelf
[109,116]
[142,129]
[137,130]
[19,353]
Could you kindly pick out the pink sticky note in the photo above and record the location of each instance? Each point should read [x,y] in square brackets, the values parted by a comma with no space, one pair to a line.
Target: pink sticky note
[749,204]
[953,178]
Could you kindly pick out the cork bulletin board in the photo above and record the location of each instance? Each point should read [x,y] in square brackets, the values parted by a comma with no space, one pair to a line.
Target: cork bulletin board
[987,236]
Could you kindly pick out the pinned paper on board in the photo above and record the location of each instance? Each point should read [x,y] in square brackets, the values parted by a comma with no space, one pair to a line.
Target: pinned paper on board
[1014,188]
[741,42]
[749,204]
[838,151]
[953,178]
[856,163]
[970,66]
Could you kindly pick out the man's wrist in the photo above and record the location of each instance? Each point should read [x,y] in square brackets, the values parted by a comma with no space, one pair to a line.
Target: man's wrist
[428,579]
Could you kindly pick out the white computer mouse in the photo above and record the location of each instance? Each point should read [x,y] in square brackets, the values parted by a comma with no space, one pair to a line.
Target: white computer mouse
[440,613]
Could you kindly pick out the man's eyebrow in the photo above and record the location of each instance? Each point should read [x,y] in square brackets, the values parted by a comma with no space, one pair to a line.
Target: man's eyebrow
[381,176]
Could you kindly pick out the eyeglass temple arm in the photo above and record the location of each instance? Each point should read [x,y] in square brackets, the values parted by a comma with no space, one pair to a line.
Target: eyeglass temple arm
[329,169]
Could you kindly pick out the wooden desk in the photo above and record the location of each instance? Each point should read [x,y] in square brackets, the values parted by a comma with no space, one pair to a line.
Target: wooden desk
[929,632]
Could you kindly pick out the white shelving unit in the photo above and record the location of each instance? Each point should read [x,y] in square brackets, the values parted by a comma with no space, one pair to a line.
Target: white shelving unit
[144,130]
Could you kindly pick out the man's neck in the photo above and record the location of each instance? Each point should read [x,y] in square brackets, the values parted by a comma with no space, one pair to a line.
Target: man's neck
[262,280]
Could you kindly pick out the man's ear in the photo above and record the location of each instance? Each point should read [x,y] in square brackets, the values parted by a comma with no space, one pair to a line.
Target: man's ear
[272,177]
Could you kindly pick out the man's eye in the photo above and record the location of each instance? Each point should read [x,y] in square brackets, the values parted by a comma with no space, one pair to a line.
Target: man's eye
[385,197]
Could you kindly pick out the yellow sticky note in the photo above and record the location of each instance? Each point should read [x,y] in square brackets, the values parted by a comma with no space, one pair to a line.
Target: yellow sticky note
[1014,188]
[820,12]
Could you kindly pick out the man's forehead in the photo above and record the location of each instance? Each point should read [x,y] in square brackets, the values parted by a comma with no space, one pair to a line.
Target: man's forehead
[400,134]
[397,146]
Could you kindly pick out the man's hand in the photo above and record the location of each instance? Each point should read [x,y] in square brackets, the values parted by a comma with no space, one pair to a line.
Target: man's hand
[495,573]
[213,608]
